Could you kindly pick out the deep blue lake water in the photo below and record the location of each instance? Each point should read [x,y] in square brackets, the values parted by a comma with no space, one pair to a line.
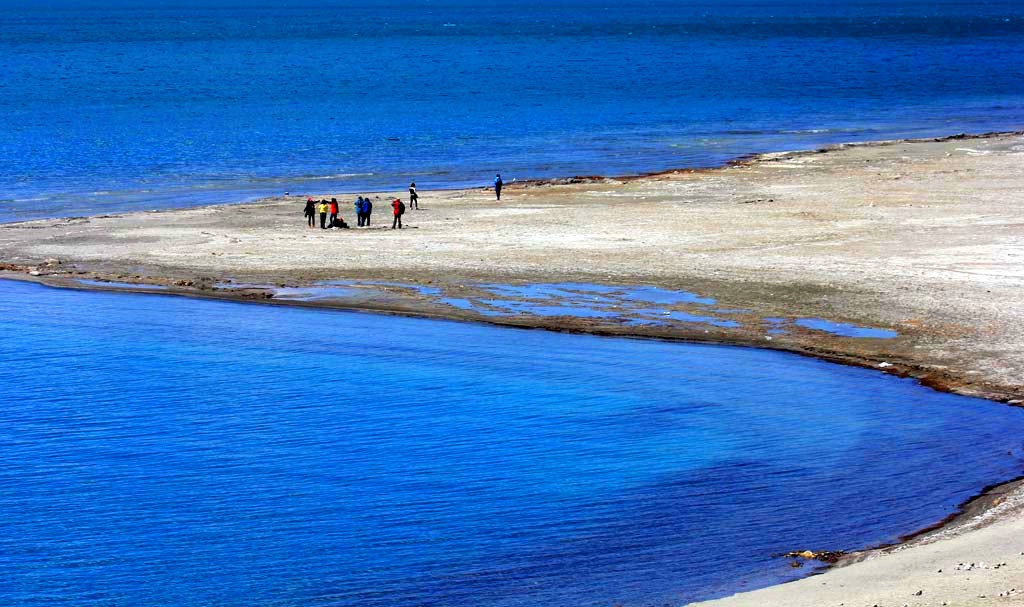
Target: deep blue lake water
[165,451]
[109,109]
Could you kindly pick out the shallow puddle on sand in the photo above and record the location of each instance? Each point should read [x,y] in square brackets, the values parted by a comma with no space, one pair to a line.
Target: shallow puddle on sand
[465,304]
[119,285]
[629,306]
[688,318]
[844,329]
[550,310]
[309,293]
[597,293]
[422,290]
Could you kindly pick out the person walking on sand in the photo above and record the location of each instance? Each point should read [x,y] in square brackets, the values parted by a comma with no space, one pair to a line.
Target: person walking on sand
[310,212]
[334,212]
[324,207]
[399,208]
[497,185]
[358,204]
[414,198]
[367,209]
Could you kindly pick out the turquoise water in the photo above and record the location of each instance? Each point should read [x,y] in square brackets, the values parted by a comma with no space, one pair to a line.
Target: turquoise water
[111,106]
[165,451]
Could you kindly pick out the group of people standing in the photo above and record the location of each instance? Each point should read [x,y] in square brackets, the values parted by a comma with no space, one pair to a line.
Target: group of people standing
[364,207]
[324,207]
[330,219]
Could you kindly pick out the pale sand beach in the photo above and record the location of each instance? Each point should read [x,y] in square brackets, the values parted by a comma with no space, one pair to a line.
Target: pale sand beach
[976,561]
[925,238]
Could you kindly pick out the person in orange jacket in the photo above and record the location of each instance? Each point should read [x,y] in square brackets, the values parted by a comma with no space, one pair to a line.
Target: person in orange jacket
[399,208]
[334,212]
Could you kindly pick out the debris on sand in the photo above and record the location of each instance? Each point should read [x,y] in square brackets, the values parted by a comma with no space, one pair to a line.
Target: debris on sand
[825,556]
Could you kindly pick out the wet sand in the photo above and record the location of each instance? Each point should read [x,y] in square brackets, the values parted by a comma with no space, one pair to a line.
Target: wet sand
[925,238]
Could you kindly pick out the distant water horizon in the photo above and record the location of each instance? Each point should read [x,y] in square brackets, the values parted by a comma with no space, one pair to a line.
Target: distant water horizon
[120,108]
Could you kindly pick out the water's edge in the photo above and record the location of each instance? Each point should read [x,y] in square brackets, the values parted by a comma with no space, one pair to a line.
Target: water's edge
[737,161]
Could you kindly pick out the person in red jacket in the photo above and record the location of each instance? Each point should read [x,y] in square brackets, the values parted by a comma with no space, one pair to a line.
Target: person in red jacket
[399,208]
[334,212]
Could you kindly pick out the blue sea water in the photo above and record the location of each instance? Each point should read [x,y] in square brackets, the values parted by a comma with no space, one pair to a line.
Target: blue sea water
[164,451]
[161,451]
[119,105]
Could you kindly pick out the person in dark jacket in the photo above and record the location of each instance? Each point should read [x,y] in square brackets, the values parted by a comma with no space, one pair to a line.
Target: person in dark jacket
[497,185]
[399,211]
[310,212]
[367,209]
[414,198]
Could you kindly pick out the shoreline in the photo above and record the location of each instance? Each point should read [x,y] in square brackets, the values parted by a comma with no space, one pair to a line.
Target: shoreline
[261,296]
[765,293]
[736,161]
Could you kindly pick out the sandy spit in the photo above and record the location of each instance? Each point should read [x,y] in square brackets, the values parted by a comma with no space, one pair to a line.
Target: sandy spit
[922,237]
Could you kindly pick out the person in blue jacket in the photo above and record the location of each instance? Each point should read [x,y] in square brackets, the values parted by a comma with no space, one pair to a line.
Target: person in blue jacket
[497,185]
[359,211]
[367,209]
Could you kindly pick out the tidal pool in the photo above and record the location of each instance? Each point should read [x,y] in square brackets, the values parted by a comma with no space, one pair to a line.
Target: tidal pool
[119,285]
[844,329]
[168,451]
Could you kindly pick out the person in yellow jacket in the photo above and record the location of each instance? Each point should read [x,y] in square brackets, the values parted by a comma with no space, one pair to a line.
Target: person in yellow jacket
[324,207]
